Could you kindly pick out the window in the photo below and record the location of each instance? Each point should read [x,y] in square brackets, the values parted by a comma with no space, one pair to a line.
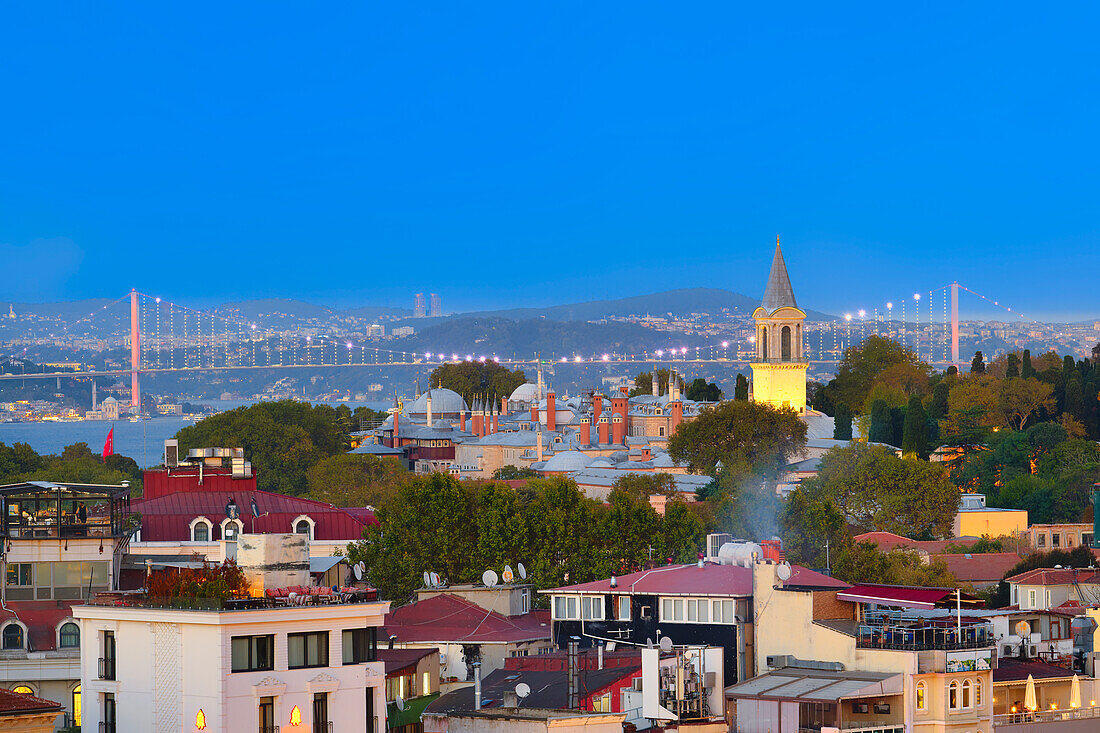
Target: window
[978,693]
[922,699]
[78,703]
[672,609]
[70,636]
[23,690]
[953,695]
[200,531]
[525,601]
[107,661]
[108,723]
[602,704]
[1069,540]
[307,650]
[566,608]
[622,604]
[320,711]
[360,645]
[1031,599]
[722,612]
[13,636]
[267,715]
[592,608]
[231,530]
[1086,539]
[966,686]
[1041,541]
[303,526]
[1055,539]
[19,573]
[426,683]
[253,653]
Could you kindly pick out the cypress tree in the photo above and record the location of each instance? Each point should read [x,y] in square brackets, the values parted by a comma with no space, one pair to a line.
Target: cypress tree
[977,365]
[937,408]
[1075,398]
[741,388]
[914,441]
[1012,366]
[842,423]
[880,422]
[1026,370]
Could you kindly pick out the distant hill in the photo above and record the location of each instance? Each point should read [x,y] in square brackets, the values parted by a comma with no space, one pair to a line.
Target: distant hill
[267,307]
[64,312]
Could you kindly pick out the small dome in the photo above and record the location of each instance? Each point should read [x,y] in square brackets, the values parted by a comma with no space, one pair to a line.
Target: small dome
[662,460]
[524,393]
[570,460]
[600,463]
[444,402]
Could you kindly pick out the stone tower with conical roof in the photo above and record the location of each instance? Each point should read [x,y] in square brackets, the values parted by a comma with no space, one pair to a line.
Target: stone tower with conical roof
[779,369]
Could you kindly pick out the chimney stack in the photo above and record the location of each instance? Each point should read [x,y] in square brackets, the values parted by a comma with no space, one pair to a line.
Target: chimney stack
[603,430]
[538,444]
[586,430]
[477,685]
[429,406]
[475,417]
[551,412]
[618,429]
[597,407]
[572,705]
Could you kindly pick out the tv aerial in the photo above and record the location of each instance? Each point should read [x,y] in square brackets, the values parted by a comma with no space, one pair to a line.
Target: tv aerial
[523,690]
[522,571]
[489,578]
[508,576]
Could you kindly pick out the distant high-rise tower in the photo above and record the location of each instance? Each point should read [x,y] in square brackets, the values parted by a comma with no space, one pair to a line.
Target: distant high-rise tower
[418,306]
[779,369]
[437,305]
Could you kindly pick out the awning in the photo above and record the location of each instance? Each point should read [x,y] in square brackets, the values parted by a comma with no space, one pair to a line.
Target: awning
[902,596]
[323,564]
[817,685]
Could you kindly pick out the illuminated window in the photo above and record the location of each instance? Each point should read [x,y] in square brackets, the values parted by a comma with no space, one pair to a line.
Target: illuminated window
[13,636]
[602,704]
[978,694]
[953,695]
[23,690]
[966,693]
[426,685]
[77,706]
[922,700]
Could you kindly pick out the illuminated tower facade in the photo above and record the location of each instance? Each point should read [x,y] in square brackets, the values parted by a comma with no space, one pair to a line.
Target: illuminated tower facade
[779,369]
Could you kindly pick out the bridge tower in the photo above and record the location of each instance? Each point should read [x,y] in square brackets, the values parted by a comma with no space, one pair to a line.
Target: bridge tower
[779,369]
[135,352]
[955,323]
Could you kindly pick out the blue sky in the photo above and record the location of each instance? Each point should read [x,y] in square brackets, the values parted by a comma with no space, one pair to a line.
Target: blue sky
[508,154]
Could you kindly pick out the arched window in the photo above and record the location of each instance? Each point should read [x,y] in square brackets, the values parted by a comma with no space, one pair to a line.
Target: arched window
[303,525]
[77,706]
[69,638]
[23,690]
[922,696]
[966,694]
[13,636]
[953,695]
[200,531]
[764,343]
[978,693]
[231,530]
[785,343]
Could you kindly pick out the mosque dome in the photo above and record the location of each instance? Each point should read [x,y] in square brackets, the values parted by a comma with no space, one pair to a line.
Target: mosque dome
[526,392]
[570,460]
[444,402]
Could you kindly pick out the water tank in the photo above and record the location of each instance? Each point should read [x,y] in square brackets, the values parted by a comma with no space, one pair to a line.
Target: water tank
[739,552]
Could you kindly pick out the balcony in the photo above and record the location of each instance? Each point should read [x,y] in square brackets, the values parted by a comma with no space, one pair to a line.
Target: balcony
[1042,719]
[779,360]
[106,668]
[924,636]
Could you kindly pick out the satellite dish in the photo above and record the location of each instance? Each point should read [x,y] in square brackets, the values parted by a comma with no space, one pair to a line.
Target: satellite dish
[255,507]
[399,702]
[292,597]
[427,580]
[522,571]
[507,575]
[362,566]
[489,578]
[523,690]
[358,572]
[1022,628]
[435,580]
[666,643]
[783,572]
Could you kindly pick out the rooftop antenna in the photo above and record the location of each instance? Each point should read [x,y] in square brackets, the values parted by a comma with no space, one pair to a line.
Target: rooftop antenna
[507,575]
[522,571]
[666,644]
[436,582]
[523,690]
[427,579]
[399,702]
[358,572]
[489,578]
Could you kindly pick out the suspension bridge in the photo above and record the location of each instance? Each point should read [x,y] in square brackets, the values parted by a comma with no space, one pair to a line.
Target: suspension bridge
[167,337]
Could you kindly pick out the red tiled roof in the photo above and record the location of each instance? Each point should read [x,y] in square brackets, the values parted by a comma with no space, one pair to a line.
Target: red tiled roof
[1011,669]
[1055,576]
[986,566]
[900,596]
[710,580]
[887,541]
[448,618]
[15,703]
[168,518]
[41,619]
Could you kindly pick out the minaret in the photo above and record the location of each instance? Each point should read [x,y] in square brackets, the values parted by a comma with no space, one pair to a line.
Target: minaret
[779,369]
[656,383]
[429,406]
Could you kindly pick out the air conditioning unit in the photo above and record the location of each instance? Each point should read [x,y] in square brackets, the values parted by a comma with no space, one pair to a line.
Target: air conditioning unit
[171,453]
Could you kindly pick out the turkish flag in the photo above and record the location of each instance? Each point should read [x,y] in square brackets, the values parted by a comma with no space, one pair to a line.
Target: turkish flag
[109,446]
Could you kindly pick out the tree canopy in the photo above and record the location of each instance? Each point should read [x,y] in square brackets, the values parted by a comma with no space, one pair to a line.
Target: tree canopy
[349,479]
[876,357]
[477,378]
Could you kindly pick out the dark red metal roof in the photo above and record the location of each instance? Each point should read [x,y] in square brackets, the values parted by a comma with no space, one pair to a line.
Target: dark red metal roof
[986,566]
[41,619]
[399,660]
[1013,669]
[448,618]
[692,580]
[168,518]
[900,596]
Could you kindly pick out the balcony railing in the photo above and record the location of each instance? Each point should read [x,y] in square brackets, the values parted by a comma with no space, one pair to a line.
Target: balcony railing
[106,668]
[1047,716]
[269,729]
[322,727]
[923,638]
[780,360]
[105,727]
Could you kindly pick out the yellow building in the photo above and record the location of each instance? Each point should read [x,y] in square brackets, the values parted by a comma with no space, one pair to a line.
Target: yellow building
[779,370]
[975,519]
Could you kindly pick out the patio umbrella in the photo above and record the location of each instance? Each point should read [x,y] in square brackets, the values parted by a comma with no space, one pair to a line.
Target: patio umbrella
[1029,695]
[1075,692]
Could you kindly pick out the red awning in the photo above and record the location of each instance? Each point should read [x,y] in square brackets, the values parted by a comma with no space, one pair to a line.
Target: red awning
[888,595]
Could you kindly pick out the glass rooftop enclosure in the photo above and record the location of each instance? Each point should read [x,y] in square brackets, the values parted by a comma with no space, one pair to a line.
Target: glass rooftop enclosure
[43,509]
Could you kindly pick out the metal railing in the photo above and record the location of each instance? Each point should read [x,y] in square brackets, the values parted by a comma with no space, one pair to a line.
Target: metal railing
[922,638]
[1046,716]
[105,727]
[325,727]
[106,668]
[269,729]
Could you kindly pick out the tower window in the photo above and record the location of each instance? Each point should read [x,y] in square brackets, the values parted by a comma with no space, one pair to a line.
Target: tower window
[785,343]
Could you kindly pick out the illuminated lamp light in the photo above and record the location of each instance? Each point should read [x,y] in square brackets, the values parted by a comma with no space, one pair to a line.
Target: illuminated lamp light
[577,359]
[725,344]
[660,353]
[916,296]
[469,358]
[862,313]
[606,357]
[295,715]
[200,720]
[847,316]
[427,355]
[889,306]
[349,344]
[563,359]
[158,300]
[454,356]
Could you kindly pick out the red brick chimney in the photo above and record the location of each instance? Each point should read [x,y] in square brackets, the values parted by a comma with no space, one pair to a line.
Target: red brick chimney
[503,405]
[476,417]
[396,415]
[535,411]
[677,415]
[586,430]
[462,420]
[603,430]
[618,429]
[597,407]
[551,412]
[496,425]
